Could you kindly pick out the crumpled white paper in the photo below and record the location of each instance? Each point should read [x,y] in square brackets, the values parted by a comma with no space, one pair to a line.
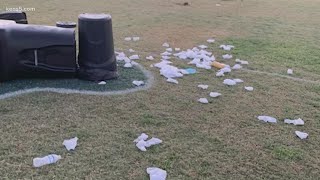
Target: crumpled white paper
[170,80]
[242,62]
[215,94]
[237,66]
[267,119]
[226,47]
[134,57]
[301,135]
[248,88]
[157,173]
[166,54]
[227,56]
[153,141]
[296,122]
[290,71]
[238,80]
[203,100]
[70,144]
[203,86]
[138,83]
[142,136]
[203,46]
[149,58]
[229,82]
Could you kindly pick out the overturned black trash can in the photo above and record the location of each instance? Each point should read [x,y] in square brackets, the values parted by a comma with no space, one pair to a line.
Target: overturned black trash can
[33,51]
[96,57]
[17,16]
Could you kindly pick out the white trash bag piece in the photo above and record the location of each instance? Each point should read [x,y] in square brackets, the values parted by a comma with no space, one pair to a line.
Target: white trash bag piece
[157,173]
[70,144]
[215,94]
[296,122]
[211,40]
[267,119]
[50,159]
[301,135]
[153,141]
[142,136]
[290,71]
[229,82]
[142,145]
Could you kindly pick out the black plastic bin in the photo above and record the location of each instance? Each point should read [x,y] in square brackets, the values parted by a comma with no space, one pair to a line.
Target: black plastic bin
[96,50]
[17,16]
[32,51]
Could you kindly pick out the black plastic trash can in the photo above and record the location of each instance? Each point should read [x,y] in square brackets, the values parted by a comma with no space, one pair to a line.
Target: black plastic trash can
[96,50]
[32,51]
[17,16]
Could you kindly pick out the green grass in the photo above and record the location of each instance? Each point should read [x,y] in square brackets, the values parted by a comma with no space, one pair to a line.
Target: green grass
[220,140]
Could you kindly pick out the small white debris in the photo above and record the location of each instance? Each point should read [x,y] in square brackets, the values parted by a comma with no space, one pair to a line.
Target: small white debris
[242,62]
[70,144]
[211,40]
[203,100]
[153,141]
[220,74]
[170,80]
[169,49]
[203,86]
[102,83]
[218,5]
[238,80]
[142,136]
[227,56]
[177,49]
[226,47]
[203,46]
[296,122]
[134,63]
[237,66]
[165,45]
[301,135]
[127,39]
[136,38]
[229,82]
[138,83]
[156,173]
[214,94]
[290,71]
[166,57]
[128,65]
[131,50]
[49,159]
[149,58]
[134,57]
[142,145]
[166,54]
[248,88]
[267,119]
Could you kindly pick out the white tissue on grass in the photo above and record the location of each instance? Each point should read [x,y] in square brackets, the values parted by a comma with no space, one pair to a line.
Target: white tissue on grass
[156,173]
[165,45]
[142,145]
[170,80]
[131,50]
[301,135]
[237,66]
[169,49]
[227,56]
[296,122]
[203,100]
[267,119]
[248,88]
[226,47]
[149,58]
[203,46]
[102,83]
[290,71]
[153,141]
[229,82]
[203,86]
[177,49]
[136,38]
[238,80]
[70,144]
[214,94]
[142,136]
[242,62]
[134,57]
[138,83]
[127,65]
[211,40]
[127,39]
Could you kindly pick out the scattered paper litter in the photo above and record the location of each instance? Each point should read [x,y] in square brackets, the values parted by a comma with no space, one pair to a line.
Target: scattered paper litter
[203,86]
[227,56]
[203,100]
[70,144]
[134,57]
[238,80]
[127,39]
[131,50]
[229,82]
[290,71]
[214,94]
[102,83]
[149,58]
[165,45]
[136,38]
[301,135]
[248,88]
[142,136]
[226,47]
[169,49]
[127,65]
[267,119]
[242,62]
[156,173]
[203,46]
[237,66]
[211,40]
[296,122]
[170,80]
[153,141]
[138,83]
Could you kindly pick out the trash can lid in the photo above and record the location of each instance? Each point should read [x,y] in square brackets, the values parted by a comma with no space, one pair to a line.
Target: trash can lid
[66,24]
[93,17]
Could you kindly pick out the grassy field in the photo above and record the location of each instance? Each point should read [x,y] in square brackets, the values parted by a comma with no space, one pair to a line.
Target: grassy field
[220,140]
